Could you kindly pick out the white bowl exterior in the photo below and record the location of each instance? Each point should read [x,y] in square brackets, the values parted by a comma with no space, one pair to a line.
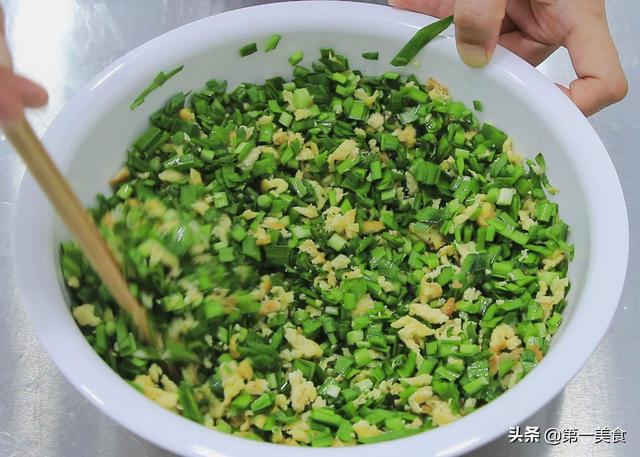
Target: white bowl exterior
[90,136]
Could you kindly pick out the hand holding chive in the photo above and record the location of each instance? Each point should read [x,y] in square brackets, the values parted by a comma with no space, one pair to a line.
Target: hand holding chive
[534,29]
[16,92]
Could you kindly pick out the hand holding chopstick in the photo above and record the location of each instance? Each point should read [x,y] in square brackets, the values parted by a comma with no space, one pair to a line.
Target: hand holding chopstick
[16,93]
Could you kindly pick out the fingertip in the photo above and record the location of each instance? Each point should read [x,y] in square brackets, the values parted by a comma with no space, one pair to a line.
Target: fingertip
[478,24]
[33,95]
[473,55]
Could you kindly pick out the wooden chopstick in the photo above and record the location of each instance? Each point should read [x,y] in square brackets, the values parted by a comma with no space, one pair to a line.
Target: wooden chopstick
[81,225]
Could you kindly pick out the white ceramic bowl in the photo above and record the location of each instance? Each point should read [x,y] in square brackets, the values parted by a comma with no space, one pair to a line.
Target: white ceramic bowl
[89,137]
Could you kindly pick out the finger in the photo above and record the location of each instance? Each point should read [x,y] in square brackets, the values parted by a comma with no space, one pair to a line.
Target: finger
[478,24]
[437,8]
[601,80]
[5,56]
[16,93]
[530,50]
[31,94]
[508,25]
[11,108]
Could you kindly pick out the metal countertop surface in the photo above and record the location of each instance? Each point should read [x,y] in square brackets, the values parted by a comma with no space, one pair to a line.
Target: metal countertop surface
[63,43]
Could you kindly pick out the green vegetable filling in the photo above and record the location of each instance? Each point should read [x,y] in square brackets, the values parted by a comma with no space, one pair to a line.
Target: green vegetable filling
[339,258]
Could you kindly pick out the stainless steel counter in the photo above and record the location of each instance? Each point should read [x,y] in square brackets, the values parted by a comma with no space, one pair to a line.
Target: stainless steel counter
[63,43]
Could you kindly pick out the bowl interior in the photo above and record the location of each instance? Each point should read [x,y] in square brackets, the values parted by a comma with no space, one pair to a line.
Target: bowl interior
[90,138]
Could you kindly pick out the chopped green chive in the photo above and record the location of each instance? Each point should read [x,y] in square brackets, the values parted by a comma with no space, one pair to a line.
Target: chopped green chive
[420,40]
[272,42]
[296,58]
[248,49]
[370,55]
[157,82]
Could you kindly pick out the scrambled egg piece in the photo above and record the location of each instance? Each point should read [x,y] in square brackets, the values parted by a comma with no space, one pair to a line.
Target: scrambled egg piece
[84,315]
[233,379]
[525,220]
[261,235]
[172,176]
[553,260]
[412,184]
[187,115]
[263,288]
[427,313]
[307,211]
[353,274]
[340,262]
[512,156]
[155,373]
[372,226]
[503,337]
[166,399]
[311,248]
[365,430]
[276,186]
[200,207]
[464,249]
[363,96]
[248,214]
[320,192]
[487,211]
[154,208]
[436,90]
[418,381]
[302,113]
[343,224]
[464,216]
[251,158]
[222,228]
[195,177]
[471,294]
[302,347]
[412,332]
[451,328]
[441,413]
[257,386]
[157,253]
[348,149]
[418,400]
[121,176]
[557,287]
[406,135]
[363,306]
[180,325]
[280,299]
[282,401]
[428,290]
[273,223]
[386,285]
[375,120]
[303,392]
[264,120]
[308,152]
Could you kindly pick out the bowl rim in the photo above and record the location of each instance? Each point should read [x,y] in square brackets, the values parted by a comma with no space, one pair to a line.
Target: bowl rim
[108,392]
